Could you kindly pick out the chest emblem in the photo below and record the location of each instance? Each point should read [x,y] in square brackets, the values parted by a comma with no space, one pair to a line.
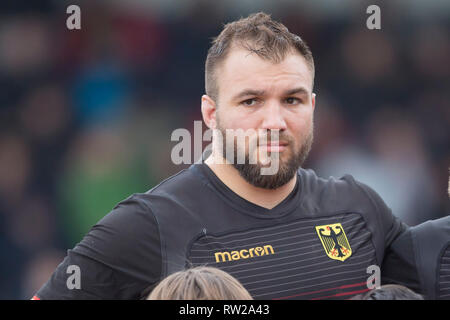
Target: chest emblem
[334,241]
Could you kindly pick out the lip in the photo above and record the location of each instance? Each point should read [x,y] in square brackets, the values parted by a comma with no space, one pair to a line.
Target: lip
[275,147]
[271,144]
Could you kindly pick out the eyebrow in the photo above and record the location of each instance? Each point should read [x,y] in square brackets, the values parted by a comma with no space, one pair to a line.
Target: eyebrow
[300,90]
[251,92]
[248,92]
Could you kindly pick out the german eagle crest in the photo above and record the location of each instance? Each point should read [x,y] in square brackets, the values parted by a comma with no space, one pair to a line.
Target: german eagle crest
[334,241]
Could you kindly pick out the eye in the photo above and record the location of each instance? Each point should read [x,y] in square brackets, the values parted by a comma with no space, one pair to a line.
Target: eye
[292,100]
[249,102]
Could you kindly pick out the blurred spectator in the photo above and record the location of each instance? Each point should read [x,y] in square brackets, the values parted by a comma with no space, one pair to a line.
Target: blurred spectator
[430,52]
[33,225]
[100,93]
[395,165]
[15,168]
[45,118]
[25,45]
[45,113]
[38,271]
[405,178]
[100,171]
[375,59]
[140,40]
[149,126]
[332,130]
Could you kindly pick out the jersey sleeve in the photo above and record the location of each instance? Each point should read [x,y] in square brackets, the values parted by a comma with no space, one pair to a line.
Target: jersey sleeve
[389,226]
[119,258]
[429,262]
[398,261]
[399,264]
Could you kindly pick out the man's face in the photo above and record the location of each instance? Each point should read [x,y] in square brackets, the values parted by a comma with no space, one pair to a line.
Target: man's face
[261,95]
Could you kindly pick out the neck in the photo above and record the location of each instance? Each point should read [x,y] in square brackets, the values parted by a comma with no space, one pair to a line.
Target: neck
[267,198]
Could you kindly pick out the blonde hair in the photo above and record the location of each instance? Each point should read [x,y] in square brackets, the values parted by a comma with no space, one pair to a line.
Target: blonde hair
[200,283]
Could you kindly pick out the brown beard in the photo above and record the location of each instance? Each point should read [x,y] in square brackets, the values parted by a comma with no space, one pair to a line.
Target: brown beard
[286,170]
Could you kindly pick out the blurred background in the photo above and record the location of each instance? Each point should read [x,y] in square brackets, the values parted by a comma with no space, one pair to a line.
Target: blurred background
[86,115]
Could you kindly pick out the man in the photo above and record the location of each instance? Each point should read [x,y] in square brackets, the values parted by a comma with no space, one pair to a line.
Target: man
[420,259]
[284,235]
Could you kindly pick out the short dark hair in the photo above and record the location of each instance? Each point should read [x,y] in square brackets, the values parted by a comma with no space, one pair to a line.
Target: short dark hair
[390,292]
[257,33]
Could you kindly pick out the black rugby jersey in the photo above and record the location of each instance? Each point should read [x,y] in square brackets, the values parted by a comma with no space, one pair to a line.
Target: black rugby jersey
[420,259]
[316,244]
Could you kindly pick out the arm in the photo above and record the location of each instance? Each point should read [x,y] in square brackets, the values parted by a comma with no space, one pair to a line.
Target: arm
[394,237]
[118,259]
[425,250]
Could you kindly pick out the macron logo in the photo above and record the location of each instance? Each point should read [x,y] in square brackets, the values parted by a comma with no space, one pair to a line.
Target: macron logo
[244,253]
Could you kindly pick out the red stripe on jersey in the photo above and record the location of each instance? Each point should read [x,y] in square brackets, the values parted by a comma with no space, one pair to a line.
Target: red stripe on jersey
[317,291]
[343,294]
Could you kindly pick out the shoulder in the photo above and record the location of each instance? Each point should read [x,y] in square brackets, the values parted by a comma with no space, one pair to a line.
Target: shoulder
[348,195]
[183,182]
[439,228]
[339,193]
[141,204]
[172,198]
[432,240]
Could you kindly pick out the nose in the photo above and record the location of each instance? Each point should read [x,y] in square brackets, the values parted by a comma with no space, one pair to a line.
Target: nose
[273,117]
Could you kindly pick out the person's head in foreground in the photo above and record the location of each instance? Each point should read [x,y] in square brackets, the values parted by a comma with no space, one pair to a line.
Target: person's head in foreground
[390,292]
[200,283]
[259,78]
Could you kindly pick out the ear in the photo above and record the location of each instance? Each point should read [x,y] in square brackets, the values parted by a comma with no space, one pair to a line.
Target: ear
[209,111]
[313,100]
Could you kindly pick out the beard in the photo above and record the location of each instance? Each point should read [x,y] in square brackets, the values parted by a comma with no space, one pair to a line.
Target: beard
[287,168]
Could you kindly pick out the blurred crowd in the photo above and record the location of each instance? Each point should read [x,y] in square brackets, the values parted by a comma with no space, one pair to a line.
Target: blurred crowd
[86,115]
